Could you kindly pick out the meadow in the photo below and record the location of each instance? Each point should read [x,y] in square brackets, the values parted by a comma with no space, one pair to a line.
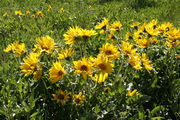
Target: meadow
[89,59]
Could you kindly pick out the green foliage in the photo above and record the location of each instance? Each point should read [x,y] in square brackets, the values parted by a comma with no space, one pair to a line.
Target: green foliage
[23,97]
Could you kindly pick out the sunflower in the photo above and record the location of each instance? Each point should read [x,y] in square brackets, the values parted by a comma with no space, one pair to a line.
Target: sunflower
[128,36]
[28,12]
[30,63]
[78,99]
[65,54]
[143,43]
[135,25]
[83,67]
[101,77]
[5,14]
[45,44]
[85,34]
[127,48]
[146,63]
[131,93]
[39,14]
[38,73]
[56,72]
[49,8]
[102,25]
[18,13]
[72,35]
[104,64]
[110,51]
[61,96]
[116,26]
[135,61]
[16,47]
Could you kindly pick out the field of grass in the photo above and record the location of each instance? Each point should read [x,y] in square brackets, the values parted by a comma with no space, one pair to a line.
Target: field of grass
[156,91]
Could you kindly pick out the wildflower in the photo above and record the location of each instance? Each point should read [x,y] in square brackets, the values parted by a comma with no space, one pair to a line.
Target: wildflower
[18,13]
[33,15]
[39,14]
[61,96]
[128,36]
[78,99]
[83,67]
[104,64]
[5,14]
[111,35]
[61,9]
[116,26]
[127,48]
[49,8]
[85,34]
[131,93]
[38,73]
[143,43]
[110,51]
[151,31]
[101,77]
[135,25]
[102,25]
[56,72]
[146,62]
[30,63]
[16,47]
[28,12]
[65,54]
[45,44]
[72,35]
[135,61]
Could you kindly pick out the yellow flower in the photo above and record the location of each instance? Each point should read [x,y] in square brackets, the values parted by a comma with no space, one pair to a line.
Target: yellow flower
[33,15]
[49,8]
[45,44]
[72,35]
[131,93]
[61,9]
[56,72]
[116,26]
[111,35]
[83,67]
[137,35]
[143,43]
[146,62]
[128,36]
[18,13]
[38,73]
[102,25]
[78,99]
[110,51]
[135,61]
[28,12]
[30,63]
[127,48]
[5,14]
[39,14]
[135,25]
[163,28]
[104,64]
[173,34]
[61,96]
[86,33]
[65,54]
[101,77]
[151,31]
[18,49]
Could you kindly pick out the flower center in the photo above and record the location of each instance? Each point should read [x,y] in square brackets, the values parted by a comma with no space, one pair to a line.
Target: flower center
[84,68]
[60,73]
[108,52]
[61,96]
[102,66]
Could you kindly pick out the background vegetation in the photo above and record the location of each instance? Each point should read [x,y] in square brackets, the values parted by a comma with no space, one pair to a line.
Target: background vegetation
[24,98]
